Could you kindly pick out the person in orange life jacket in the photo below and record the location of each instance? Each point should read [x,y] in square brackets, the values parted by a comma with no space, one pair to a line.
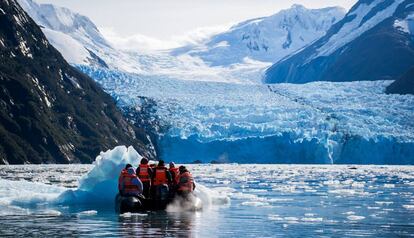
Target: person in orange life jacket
[174,176]
[144,173]
[186,183]
[129,184]
[123,173]
[161,178]
[175,173]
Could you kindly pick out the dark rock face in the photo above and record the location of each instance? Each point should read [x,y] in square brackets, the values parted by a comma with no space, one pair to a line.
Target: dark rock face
[383,52]
[49,111]
[403,85]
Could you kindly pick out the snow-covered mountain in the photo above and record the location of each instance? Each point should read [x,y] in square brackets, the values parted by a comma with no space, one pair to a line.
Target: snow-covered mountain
[269,38]
[81,43]
[374,41]
[262,40]
[76,37]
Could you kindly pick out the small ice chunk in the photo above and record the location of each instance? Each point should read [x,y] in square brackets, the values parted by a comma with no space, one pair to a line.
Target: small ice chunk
[255,204]
[88,213]
[355,218]
[409,206]
[274,217]
[312,219]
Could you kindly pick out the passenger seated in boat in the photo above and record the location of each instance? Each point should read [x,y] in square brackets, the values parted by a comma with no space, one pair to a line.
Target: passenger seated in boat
[186,183]
[160,181]
[144,173]
[175,173]
[128,182]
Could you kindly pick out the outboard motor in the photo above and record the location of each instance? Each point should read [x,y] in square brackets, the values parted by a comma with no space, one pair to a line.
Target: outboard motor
[162,197]
[162,192]
[127,204]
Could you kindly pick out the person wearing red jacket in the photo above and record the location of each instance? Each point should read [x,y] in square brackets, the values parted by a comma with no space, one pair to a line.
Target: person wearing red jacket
[144,173]
[161,178]
[175,173]
[186,183]
[128,182]
[122,174]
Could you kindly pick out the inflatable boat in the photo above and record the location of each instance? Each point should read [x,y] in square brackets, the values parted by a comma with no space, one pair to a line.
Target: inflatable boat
[134,204]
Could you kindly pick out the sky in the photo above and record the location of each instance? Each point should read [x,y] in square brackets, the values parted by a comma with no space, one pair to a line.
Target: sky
[169,23]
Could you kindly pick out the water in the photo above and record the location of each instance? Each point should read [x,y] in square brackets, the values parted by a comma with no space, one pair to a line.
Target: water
[246,201]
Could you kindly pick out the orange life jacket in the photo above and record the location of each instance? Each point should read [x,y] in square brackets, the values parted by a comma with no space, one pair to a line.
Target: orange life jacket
[160,176]
[176,173]
[186,182]
[121,178]
[143,174]
[128,186]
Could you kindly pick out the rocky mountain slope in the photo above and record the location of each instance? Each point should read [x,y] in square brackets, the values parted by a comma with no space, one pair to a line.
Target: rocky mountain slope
[49,111]
[404,84]
[374,41]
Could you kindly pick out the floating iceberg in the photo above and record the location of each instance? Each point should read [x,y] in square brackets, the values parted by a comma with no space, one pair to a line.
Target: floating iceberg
[100,185]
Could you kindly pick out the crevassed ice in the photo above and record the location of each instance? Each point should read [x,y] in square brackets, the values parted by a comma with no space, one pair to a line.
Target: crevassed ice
[325,119]
[213,110]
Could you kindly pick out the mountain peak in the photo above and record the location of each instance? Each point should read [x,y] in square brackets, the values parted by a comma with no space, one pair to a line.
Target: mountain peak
[268,39]
[297,6]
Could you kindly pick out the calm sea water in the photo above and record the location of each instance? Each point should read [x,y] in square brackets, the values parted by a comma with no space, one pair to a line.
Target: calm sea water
[243,201]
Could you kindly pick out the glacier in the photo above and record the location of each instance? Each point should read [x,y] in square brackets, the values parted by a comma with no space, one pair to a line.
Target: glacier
[320,122]
[215,108]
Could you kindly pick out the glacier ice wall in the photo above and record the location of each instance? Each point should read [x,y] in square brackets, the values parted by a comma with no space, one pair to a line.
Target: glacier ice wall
[320,122]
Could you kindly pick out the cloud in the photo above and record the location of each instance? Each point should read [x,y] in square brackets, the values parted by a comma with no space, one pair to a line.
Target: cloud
[139,42]
[135,42]
[201,34]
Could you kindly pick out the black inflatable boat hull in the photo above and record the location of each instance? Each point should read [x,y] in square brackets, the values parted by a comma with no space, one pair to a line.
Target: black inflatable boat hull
[124,204]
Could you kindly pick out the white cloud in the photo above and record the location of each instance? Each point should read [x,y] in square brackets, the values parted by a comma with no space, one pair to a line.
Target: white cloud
[135,42]
[200,34]
[139,42]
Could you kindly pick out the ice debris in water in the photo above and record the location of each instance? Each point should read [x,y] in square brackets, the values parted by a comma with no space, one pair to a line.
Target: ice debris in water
[98,187]
[88,213]
[23,193]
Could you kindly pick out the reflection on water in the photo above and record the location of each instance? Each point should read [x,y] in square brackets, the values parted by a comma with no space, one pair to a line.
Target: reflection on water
[105,224]
[265,201]
[160,223]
